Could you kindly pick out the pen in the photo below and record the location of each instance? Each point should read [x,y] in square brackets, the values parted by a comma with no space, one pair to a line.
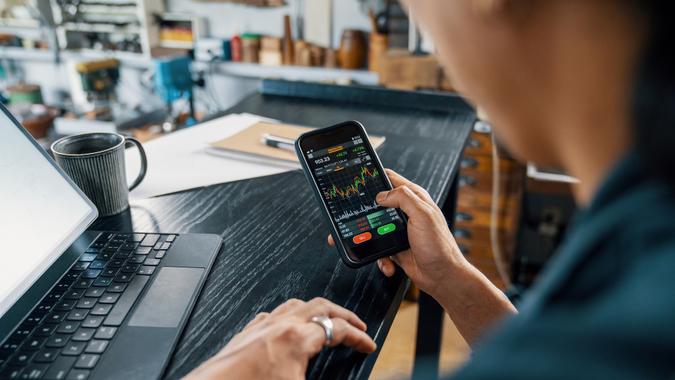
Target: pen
[278,142]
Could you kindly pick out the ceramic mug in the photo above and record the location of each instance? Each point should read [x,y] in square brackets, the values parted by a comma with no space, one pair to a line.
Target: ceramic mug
[95,162]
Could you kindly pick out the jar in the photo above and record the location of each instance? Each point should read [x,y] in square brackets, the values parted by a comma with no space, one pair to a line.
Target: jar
[353,49]
[250,47]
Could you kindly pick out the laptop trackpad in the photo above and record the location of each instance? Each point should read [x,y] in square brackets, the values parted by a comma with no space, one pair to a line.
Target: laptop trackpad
[168,298]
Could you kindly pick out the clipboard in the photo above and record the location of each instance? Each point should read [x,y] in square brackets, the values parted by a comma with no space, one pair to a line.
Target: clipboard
[247,144]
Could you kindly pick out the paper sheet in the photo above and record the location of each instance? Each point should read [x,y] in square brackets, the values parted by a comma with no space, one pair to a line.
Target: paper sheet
[179,161]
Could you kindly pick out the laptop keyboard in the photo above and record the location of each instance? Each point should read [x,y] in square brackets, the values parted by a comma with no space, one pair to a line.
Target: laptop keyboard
[66,334]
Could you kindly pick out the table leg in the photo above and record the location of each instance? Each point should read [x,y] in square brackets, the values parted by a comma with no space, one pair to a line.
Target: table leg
[430,313]
[429,335]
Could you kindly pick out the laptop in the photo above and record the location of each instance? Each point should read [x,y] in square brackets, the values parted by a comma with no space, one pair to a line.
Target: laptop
[77,304]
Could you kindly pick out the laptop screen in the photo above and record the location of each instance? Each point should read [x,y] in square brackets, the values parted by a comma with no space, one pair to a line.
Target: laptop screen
[41,212]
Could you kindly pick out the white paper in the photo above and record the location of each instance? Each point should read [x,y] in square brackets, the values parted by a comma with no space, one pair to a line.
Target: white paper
[180,161]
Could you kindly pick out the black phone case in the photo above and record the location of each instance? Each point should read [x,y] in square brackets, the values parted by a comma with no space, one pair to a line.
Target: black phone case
[324,209]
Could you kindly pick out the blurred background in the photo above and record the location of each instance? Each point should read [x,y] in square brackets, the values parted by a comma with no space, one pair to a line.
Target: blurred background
[149,67]
[134,62]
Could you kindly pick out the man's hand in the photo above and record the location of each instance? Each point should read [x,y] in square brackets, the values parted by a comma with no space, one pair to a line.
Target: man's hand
[278,345]
[436,265]
[433,257]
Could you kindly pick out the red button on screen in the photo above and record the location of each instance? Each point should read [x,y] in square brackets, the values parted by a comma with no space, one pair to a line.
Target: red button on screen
[358,239]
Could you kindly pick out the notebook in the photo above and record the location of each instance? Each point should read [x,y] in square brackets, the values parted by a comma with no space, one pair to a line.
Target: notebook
[247,144]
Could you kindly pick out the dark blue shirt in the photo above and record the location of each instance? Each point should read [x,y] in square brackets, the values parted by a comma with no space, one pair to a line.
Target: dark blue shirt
[605,306]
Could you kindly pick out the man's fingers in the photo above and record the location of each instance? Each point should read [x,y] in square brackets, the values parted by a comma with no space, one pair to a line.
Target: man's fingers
[395,178]
[398,180]
[386,266]
[287,307]
[261,317]
[315,307]
[343,334]
[348,335]
[404,259]
[404,198]
[321,306]
[331,242]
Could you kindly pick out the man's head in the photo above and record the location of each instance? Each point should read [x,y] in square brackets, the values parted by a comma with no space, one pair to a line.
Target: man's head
[525,63]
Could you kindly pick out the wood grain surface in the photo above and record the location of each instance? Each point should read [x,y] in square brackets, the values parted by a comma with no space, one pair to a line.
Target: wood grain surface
[275,238]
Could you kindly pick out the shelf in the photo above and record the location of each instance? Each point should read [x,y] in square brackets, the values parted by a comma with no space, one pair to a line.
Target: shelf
[236,69]
[297,73]
[126,58]
[22,54]
[113,3]
[100,28]
[19,23]
[176,44]
[259,6]
[107,8]
[44,55]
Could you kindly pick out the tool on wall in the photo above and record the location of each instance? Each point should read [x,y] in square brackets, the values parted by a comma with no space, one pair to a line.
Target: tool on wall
[174,82]
[94,105]
[99,80]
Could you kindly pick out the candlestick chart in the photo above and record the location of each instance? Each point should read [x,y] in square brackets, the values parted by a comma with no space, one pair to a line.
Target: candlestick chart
[351,192]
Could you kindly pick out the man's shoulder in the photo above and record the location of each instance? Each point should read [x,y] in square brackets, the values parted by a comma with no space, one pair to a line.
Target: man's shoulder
[638,253]
[608,311]
[641,222]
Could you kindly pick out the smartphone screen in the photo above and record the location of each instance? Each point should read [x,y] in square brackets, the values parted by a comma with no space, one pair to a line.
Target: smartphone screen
[348,176]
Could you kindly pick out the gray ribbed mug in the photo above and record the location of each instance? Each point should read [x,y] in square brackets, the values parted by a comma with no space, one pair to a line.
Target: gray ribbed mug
[95,162]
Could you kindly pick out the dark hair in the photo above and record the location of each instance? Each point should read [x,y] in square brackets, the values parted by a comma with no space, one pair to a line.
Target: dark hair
[654,96]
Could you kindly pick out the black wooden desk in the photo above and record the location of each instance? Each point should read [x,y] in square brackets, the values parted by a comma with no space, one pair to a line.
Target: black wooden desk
[274,236]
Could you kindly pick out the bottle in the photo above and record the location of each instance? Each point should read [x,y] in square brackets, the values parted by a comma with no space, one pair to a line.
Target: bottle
[235,45]
[287,47]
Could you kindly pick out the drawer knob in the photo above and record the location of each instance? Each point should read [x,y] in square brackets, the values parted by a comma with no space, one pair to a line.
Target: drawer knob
[461,233]
[474,144]
[468,163]
[467,180]
[482,126]
[463,217]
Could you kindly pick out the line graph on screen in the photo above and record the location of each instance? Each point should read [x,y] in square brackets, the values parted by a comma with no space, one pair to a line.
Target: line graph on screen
[351,193]
[348,189]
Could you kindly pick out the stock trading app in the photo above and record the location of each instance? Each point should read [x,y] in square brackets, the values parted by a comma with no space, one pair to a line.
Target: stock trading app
[349,181]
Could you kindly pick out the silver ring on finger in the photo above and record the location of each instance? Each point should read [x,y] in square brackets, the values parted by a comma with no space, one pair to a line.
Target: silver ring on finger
[327,325]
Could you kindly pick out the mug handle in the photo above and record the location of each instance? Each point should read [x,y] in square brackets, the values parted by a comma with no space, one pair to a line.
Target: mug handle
[144,161]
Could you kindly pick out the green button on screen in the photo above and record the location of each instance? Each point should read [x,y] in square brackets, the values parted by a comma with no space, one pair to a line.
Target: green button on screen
[387,228]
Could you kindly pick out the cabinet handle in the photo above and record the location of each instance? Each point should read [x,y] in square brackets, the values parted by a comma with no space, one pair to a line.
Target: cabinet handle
[463,217]
[482,126]
[467,180]
[468,163]
[462,233]
[474,144]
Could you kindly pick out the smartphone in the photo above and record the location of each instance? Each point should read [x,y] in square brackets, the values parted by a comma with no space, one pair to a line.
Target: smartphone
[346,176]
